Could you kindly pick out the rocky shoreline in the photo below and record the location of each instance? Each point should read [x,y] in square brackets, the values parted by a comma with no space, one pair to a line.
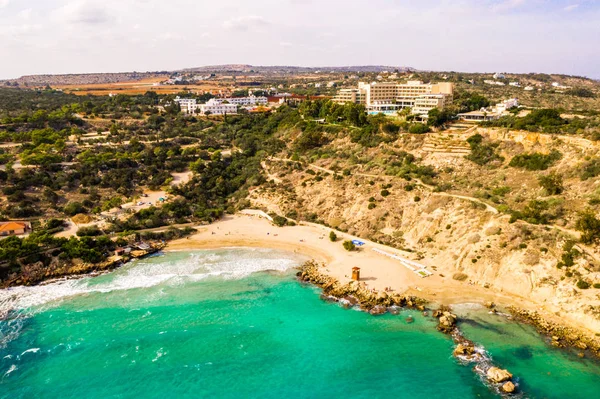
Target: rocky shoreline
[560,336]
[36,274]
[355,294]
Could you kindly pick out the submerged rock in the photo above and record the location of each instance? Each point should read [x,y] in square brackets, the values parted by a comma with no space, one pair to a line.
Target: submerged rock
[328,298]
[393,311]
[498,375]
[378,310]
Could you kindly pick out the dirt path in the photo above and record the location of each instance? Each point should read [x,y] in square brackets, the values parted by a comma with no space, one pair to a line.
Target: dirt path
[488,207]
[418,181]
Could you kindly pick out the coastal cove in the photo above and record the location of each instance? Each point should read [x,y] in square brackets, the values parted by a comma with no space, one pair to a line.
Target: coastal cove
[190,323]
[377,271]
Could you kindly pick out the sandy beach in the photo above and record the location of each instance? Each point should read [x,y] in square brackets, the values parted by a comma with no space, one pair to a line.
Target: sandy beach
[377,270]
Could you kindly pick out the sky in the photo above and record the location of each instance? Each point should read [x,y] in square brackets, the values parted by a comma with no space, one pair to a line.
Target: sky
[84,36]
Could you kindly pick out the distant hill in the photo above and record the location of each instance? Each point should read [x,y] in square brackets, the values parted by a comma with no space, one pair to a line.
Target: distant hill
[231,68]
[83,78]
[104,78]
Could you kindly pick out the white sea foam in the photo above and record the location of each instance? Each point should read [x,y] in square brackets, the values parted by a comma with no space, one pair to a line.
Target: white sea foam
[10,370]
[171,270]
[32,350]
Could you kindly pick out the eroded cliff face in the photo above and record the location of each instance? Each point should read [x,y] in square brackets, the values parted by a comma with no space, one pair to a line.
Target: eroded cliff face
[457,234]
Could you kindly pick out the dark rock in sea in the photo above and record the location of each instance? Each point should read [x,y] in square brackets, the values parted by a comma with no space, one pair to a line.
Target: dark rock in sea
[328,298]
[378,310]
[351,300]
[393,311]
[410,319]
[523,353]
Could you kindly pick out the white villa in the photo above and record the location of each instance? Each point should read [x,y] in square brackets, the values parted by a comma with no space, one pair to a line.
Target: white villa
[219,106]
[490,114]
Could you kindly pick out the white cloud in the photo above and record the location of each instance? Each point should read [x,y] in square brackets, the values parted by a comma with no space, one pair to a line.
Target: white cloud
[134,31]
[85,13]
[25,14]
[171,36]
[506,5]
[245,23]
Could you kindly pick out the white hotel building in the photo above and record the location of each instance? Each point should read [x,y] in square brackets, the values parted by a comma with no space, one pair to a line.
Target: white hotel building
[218,106]
[390,97]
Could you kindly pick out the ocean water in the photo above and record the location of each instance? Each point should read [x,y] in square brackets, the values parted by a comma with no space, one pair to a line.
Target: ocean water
[234,323]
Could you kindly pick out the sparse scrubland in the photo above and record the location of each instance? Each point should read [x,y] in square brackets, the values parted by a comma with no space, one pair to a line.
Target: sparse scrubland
[511,205]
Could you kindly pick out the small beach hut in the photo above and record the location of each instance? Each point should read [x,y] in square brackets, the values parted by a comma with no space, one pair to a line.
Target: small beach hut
[356,273]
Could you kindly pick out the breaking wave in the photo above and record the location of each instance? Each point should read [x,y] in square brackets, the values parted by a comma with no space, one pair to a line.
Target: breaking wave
[170,269]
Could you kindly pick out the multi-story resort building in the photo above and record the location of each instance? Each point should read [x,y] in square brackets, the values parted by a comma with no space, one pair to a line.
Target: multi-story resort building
[389,97]
[245,101]
[213,106]
[186,104]
[218,106]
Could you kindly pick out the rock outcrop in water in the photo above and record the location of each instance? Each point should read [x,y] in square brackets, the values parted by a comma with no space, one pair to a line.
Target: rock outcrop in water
[561,336]
[378,303]
[497,375]
[447,322]
[508,387]
[356,294]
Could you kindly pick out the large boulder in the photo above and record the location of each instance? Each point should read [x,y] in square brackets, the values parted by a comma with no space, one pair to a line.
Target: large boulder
[508,387]
[447,322]
[464,349]
[378,310]
[497,375]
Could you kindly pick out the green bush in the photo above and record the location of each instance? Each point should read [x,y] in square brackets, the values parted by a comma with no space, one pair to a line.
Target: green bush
[279,221]
[385,193]
[535,160]
[552,183]
[482,153]
[73,208]
[332,236]
[590,169]
[589,226]
[418,128]
[349,245]
[372,205]
[581,92]
[583,285]
[90,231]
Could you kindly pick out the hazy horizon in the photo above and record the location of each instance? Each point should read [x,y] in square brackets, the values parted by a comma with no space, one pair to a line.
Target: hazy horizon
[486,36]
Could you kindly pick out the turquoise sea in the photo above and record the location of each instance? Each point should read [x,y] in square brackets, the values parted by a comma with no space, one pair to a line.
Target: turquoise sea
[234,323]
